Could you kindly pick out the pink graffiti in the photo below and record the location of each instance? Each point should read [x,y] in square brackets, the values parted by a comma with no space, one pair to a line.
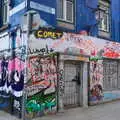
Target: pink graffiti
[15,64]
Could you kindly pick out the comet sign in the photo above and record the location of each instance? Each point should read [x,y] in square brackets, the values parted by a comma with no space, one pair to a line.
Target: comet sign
[48,33]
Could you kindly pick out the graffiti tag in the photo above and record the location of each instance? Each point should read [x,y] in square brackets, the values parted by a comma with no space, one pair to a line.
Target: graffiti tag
[42,51]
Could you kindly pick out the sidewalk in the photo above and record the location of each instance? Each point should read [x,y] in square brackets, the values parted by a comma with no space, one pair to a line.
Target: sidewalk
[7,116]
[108,111]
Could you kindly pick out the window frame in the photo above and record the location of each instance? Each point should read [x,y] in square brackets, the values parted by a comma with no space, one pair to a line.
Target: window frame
[64,6]
[104,8]
[5,12]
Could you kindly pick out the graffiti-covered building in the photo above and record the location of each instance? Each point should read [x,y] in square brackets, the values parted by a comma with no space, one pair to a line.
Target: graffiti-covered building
[89,66]
[57,54]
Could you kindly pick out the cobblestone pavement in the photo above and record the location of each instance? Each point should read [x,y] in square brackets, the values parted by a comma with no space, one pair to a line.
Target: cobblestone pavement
[108,111]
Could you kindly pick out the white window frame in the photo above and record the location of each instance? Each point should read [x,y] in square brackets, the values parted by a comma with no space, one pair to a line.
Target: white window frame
[5,16]
[65,11]
[104,9]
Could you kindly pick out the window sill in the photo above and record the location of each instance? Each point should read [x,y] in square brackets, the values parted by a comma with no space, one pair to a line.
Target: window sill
[4,27]
[65,21]
[104,30]
[104,35]
[66,25]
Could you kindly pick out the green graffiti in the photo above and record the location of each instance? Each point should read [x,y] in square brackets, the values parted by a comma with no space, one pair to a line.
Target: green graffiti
[34,106]
[50,104]
[95,58]
[52,54]
[40,103]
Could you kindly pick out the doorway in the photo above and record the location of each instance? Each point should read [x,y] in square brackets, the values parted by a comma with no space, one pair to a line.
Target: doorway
[73,79]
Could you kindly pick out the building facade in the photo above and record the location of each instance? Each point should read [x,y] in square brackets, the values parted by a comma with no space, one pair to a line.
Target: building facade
[97,17]
[49,62]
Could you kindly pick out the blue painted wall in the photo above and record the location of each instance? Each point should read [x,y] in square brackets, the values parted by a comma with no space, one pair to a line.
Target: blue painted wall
[115,8]
[48,17]
[14,3]
[85,16]
[0,14]
[17,18]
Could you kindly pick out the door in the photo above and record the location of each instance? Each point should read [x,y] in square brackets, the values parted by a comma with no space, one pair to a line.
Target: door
[72,84]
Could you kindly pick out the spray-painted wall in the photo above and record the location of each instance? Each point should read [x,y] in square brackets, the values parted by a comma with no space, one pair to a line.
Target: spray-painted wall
[45,75]
[12,66]
[12,79]
[96,80]
[68,43]
[41,87]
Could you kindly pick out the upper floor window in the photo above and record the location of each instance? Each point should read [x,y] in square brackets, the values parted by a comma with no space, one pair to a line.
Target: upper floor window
[104,15]
[5,11]
[65,10]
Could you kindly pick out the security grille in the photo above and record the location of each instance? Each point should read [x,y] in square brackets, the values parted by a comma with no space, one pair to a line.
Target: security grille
[72,85]
[110,74]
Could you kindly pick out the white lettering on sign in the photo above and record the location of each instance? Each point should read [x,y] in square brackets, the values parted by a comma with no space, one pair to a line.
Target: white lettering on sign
[17,8]
[41,7]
